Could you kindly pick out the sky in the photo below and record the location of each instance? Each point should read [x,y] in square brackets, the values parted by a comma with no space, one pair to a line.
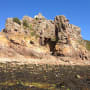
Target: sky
[77,11]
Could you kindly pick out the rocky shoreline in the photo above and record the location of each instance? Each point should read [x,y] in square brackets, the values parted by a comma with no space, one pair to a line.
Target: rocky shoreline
[36,76]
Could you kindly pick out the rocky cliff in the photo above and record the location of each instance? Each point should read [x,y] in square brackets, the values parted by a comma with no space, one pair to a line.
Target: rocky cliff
[40,38]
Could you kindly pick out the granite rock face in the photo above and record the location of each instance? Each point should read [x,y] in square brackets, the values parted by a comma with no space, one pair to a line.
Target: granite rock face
[57,37]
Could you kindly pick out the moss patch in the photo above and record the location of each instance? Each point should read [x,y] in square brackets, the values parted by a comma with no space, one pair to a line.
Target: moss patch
[30,84]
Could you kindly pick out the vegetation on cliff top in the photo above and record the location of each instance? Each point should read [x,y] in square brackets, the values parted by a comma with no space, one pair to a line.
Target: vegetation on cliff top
[25,23]
[16,20]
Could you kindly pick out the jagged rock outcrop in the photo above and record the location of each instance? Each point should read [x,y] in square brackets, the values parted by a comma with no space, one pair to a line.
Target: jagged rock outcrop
[39,16]
[58,37]
[69,40]
[28,19]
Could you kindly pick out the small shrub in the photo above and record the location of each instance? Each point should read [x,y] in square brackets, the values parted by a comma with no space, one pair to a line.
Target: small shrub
[25,23]
[16,20]
[87,44]
[30,26]
[37,36]
[36,18]
[33,33]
